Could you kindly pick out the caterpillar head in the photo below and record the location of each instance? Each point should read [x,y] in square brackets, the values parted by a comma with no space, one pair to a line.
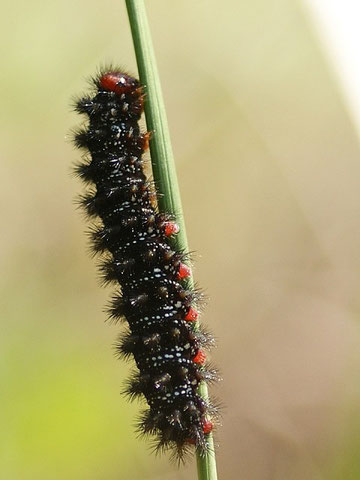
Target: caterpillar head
[119,83]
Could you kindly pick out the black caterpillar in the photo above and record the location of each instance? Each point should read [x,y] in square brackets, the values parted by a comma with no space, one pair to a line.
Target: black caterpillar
[163,336]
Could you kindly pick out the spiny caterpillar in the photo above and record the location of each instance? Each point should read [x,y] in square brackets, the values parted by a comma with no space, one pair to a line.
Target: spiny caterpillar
[133,240]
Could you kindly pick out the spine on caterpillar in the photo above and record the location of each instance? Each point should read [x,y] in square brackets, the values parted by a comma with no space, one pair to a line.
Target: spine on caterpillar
[133,240]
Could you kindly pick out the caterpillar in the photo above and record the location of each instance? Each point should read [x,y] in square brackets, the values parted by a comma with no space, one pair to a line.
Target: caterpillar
[134,242]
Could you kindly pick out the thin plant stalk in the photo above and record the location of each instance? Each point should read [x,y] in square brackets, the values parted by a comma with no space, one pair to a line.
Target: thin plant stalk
[163,165]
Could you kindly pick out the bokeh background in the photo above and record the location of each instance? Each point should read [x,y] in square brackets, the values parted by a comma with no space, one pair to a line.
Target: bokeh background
[268,162]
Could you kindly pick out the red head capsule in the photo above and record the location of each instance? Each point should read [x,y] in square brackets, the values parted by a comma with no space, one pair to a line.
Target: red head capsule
[200,357]
[192,315]
[119,83]
[184,271]
[171,228]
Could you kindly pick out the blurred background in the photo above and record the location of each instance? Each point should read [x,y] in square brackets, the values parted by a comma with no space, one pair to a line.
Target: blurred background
[263,103]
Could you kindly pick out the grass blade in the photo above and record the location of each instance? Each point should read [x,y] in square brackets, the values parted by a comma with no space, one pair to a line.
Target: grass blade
[163,164]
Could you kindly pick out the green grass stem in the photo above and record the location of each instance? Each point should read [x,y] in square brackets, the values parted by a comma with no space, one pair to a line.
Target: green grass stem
[163,165]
